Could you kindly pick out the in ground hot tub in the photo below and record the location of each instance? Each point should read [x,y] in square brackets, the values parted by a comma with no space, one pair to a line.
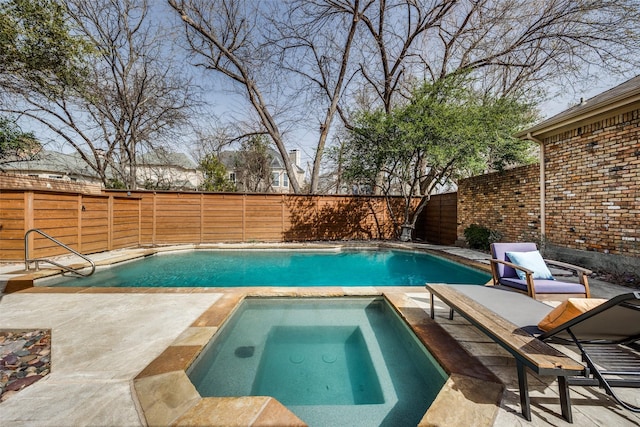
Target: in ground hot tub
[331,361]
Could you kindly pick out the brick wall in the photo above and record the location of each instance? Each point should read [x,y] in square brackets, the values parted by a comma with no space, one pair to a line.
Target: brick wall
[508,202]
[593,186]
[592,203]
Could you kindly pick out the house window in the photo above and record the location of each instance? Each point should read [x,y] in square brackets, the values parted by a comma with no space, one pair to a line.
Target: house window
[276,179]
[285,180]
[55,176]
[232,177]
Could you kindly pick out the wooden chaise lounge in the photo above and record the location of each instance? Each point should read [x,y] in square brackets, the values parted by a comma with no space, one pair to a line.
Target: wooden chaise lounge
[479,305]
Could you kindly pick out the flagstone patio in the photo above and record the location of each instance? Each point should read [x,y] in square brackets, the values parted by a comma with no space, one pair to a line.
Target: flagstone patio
[102,339]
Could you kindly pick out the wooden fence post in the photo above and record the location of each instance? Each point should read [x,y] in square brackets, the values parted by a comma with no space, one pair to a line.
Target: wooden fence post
[244,217]
[110,223]
[282,214]
[79,224]
[28,219]
[201,217]
[154,219]
[139,221]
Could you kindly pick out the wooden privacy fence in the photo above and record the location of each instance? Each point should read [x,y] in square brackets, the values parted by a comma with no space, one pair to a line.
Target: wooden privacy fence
[92,223]
[439,220]
[169,217]
[86,223]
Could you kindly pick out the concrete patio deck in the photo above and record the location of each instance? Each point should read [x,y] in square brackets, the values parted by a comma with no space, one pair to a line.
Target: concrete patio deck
[102,341]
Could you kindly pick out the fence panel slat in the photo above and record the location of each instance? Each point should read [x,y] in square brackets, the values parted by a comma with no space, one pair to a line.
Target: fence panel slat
[119,219]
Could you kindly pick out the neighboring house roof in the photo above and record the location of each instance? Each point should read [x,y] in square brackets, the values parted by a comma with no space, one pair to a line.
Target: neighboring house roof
[162,157]
[616,100]
[53,162]
[48,161]
[276,159]
[278,163]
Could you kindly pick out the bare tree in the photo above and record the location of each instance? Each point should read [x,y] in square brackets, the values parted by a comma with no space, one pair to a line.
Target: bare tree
[211,140]
[320,57]
[252,165]
[335,56]
[130,95]
[224,35]
[511,47]
[16,145]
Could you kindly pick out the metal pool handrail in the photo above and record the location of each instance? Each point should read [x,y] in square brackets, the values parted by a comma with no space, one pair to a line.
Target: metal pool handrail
[28,261]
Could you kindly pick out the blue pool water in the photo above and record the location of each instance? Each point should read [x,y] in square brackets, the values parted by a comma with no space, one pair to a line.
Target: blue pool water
[331,361]
[240,268]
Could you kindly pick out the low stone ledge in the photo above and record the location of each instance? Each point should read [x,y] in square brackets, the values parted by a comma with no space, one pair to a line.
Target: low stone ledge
[476,403]
[239,411]
[165,397]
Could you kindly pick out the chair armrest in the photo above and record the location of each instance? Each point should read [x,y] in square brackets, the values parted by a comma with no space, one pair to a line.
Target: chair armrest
[512,265]
[575,268]
[583,273]
[531,291]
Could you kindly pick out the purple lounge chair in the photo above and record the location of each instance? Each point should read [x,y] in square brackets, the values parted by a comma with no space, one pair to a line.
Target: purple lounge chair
[535,281]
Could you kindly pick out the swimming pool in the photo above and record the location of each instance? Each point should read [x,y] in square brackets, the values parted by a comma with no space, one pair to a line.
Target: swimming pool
[331,361]
[286,268]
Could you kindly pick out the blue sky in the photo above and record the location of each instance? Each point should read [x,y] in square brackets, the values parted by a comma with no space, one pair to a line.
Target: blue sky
[225,105]
[560,101]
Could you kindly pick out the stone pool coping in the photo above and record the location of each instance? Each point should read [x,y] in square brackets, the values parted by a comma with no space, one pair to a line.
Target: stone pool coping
[167,397]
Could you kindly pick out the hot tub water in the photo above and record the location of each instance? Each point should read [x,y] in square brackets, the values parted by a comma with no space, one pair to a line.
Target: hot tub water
[331,361]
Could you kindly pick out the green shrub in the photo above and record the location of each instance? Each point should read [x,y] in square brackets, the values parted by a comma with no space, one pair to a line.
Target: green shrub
[479,237]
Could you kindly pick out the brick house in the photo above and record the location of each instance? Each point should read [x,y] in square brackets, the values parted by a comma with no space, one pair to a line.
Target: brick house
[583,199]
[590,180]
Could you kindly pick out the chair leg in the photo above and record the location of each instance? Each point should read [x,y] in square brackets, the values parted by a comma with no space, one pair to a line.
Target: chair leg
[433,312]
[432,309]
[565,399]
[525,402]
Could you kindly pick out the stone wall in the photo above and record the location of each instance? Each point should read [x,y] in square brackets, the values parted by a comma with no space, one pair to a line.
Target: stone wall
[507,202]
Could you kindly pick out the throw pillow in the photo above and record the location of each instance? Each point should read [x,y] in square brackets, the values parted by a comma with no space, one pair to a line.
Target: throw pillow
[573,307]
[533,261]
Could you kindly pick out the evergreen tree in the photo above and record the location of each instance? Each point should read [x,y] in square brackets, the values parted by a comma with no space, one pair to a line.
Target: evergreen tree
[444,132]
[215,174]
